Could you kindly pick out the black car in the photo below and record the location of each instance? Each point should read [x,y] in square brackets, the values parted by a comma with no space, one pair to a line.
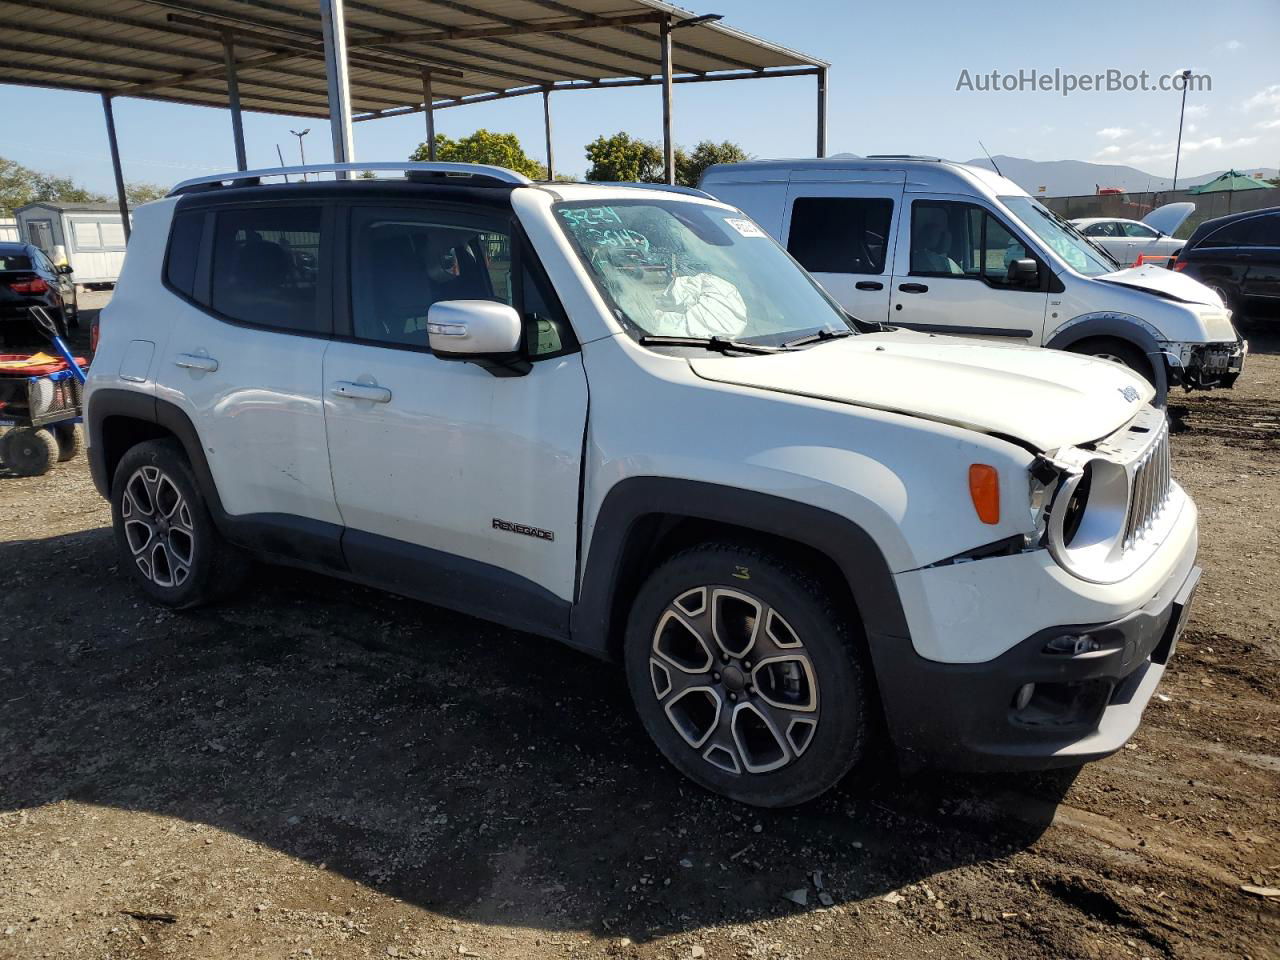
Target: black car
[1239,257]
[28,279]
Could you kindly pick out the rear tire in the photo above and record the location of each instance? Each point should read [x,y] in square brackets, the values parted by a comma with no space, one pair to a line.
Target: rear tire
[745,676]
[68,438]
[165,537]
[28,452]
[1117,351]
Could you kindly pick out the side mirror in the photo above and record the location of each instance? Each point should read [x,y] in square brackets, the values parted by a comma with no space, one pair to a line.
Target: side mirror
[482,332]
[64,269]
[1024,273]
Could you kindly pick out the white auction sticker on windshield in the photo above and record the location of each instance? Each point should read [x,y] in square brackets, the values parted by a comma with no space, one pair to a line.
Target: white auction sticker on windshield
[744,227]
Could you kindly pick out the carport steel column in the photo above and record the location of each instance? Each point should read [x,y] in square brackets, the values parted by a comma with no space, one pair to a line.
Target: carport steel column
[668,146]
[429,111]
[822,112]
[233,99]
[121,198]
[546,117]
[334,24]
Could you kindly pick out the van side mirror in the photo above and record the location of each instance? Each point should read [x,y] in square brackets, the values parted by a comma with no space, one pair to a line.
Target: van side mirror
[1024,273]
[483,332]
[64,269]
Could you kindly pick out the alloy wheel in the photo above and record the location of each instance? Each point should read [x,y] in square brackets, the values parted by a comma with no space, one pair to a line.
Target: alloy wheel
[158,527]
[734,679]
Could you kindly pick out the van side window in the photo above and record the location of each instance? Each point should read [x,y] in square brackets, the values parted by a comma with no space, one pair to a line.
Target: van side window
[840,234]
[266,267]
[184,247]
[949,238]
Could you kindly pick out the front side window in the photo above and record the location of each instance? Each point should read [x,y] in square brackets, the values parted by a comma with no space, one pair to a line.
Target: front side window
[1139,231]
[1060,237]
[949,238]
[266,267]
[403,261]
[840,234]
[686,269]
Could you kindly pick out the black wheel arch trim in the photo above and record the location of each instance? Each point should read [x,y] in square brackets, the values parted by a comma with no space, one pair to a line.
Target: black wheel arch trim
[1119,327]
[597,620]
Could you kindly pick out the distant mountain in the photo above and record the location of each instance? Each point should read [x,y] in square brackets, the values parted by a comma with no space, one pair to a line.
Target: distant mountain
[1072,178]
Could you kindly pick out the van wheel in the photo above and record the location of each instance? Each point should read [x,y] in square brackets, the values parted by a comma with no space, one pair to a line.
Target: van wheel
[745,676]
[1117,351]
[164,534]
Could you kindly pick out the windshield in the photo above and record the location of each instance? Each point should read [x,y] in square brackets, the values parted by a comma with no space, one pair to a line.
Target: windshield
[679,269]
[1060,237]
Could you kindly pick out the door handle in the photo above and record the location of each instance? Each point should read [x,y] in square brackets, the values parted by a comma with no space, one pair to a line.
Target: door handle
[868,285]
[361,391]
[913,288]
[191,361]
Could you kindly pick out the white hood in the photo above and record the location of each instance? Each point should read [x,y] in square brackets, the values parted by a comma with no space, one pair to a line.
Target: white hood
[1169,284]
[1170,217]
[1045,398]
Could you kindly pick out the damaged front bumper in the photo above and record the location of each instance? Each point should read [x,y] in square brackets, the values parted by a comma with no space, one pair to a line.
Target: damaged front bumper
[1203,366]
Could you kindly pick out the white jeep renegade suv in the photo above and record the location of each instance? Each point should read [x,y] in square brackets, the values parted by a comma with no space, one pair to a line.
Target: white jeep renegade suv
[626,419]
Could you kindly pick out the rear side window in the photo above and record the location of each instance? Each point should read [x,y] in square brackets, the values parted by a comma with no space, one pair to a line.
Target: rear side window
[840,234]
[1139,232]
[1236,234]
[184,248]
[1266,231]
[266,267]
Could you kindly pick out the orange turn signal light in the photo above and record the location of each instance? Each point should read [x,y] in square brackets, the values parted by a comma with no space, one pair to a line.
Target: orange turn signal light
[984,488]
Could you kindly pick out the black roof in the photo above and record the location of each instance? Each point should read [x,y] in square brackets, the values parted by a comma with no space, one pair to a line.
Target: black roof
[496,196]
[1208,226]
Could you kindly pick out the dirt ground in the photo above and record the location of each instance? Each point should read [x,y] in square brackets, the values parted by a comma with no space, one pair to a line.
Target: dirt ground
[320,770]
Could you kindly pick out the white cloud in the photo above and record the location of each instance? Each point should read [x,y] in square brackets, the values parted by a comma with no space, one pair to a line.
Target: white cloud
[1231,46]
[1192,128]
[1216,143]
[1197,110]
[1266,97]
[1268,124]
[1113,133]
[1107,151]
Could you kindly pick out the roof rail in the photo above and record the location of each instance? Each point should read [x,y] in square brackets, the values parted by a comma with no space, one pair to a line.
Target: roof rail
[473,174]
[902,156]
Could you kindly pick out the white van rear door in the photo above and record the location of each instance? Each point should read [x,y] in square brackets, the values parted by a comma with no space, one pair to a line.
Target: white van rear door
[841,225]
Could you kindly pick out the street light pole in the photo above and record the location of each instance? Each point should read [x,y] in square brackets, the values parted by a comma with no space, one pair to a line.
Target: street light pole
[1186,77]
[302,154]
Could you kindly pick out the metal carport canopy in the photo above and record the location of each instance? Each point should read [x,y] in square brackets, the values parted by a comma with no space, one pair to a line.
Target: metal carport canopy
[400,56]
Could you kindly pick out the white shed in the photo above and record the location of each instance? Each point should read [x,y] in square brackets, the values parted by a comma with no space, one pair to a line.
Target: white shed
[89,236]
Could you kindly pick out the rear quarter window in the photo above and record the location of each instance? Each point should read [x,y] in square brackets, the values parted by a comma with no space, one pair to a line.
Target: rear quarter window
[14,261]
[184,249]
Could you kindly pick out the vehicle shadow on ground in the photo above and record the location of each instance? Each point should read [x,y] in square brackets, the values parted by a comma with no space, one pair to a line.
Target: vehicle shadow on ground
[471,770]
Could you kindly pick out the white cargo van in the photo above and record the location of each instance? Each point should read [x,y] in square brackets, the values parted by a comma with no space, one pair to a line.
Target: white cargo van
[942,247]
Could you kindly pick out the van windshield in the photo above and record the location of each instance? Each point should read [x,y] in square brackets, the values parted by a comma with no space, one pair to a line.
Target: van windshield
[1060,237]
[672,268]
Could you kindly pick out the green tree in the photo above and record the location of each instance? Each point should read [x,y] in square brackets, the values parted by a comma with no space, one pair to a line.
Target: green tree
[137,193]
[690,167]
[484,146]
[622,159]
[21,185]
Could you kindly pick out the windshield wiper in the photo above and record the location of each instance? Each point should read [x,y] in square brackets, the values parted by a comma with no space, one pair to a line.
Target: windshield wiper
[717,344]
[818,337]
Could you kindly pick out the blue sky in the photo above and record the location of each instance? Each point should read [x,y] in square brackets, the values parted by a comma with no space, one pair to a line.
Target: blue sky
[895,69]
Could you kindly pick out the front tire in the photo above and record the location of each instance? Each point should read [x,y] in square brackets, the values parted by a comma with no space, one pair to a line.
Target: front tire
[745,676]
[1116,351]
[164,534]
